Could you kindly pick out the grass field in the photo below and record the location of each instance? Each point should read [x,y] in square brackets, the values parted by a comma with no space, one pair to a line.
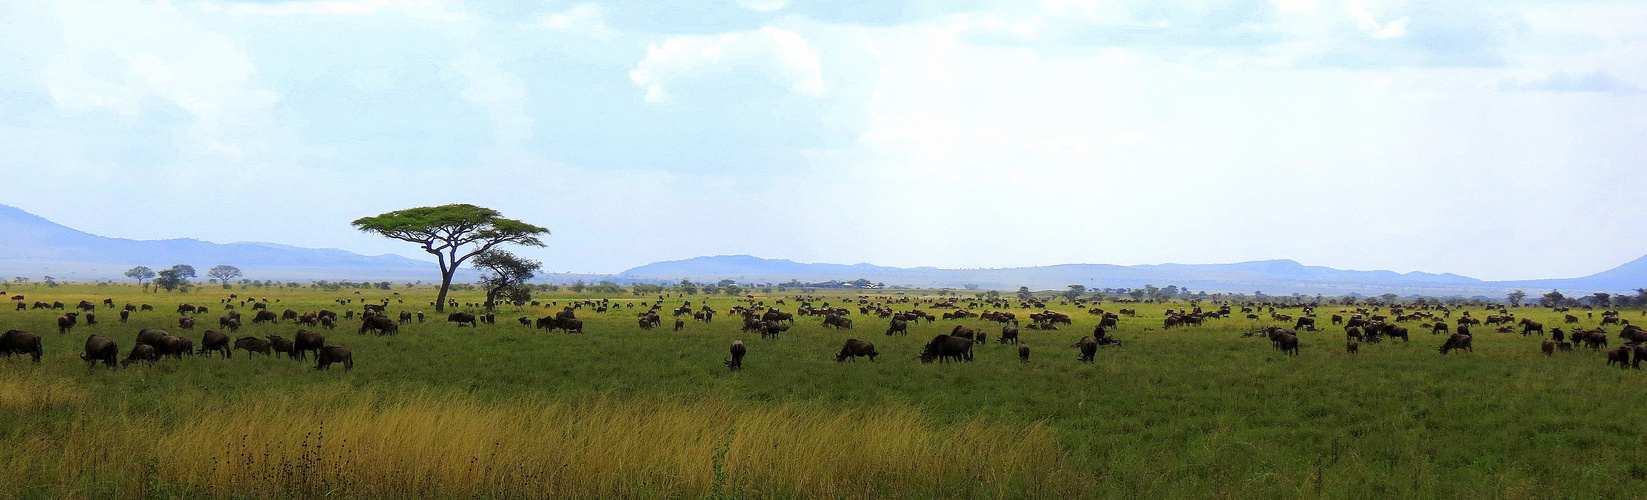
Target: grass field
[505,411]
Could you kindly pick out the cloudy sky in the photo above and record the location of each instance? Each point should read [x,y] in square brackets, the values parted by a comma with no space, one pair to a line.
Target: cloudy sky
[1498,139]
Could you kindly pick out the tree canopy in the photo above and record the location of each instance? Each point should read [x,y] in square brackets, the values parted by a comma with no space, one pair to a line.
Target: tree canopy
[223,273]
[505,275]
[452,233]
[140,273]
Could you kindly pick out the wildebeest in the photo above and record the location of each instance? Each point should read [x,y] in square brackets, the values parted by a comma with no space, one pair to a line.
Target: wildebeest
[306,341]
[281,345]
[1548,347]
[101,349]
[898,326]
[214,340]
[1009,333]
[1352,347]
[738,350]
[406,316]
[21,342]
[150,336]
[1620,355]
[65,323]
[141,352]
[1088,349]
[265,316]
[380,325]
[180,346]
[253,345]
[325,356]
[946,347]
[1457,341]
[185,322]
[680,324]
[1023,353]
[460,318]
[125,315]
[185,308]
[1305,324]
[855,348]
[963,332]
[91,319]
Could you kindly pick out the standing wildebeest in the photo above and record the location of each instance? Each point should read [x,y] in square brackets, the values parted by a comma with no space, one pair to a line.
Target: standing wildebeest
[265,316]
[738,350]
[231,323]
[1620,355]
[1352,347]
[1457,341]
[461,318]
[91,319]
[281,345]
[946,347]
[1548,347]
[381,325]
[1337,320]
[1023,353]
[306,341]
[406,317]
[1305,324]
[66,323]
[898,326]
[185,308]
[1088,348]
[855,348]
[185,322]
[963,332]
[325,356]
[214,340]
[288,314]
[252,345]
[1528,327]
[1009,333]
[180,346]
[125,315]
[101,349]
[141,352]
[680,324]
[21,342]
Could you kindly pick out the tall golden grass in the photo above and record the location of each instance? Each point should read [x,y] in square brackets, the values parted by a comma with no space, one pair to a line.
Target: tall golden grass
[431,445]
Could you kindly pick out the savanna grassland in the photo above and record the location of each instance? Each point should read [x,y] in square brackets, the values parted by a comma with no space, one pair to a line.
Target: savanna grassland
[506,411]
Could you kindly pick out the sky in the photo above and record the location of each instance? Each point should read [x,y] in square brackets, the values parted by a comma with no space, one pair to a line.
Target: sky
[1498,139]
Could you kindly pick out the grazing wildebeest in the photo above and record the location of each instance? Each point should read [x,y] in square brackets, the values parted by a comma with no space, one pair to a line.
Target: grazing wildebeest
[91,319]
[232,324]
[855,348]
[963,332]
[1088,348]
[1457,341]
[185,322]
[1337,320]
[1009,333]
[101,349]
[265,316]
[1305,324]
[156,338]
[461,318]
[898,326]
[1620,355]
[66,322]
[253,345]
[141,352]
[1352,347]
[1641,355]
[738,350]
[946,347]
[1439,328]
[289,314]
[125,315]
[185,308]
[1023,353]
[145,307]
[281,345]
[380,325]
[306,341]
[214,340]
[325,356]
[21,342]
[180,346]
[1287,343]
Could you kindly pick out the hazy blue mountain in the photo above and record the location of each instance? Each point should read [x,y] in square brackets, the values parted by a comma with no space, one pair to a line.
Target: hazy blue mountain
[33,246]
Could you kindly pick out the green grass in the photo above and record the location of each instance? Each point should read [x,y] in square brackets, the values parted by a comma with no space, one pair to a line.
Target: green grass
[1192,412]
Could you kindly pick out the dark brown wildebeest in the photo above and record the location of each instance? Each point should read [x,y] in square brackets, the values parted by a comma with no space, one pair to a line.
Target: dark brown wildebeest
[1633,334]
[232,324]
[253,345]
[1009,333]
[185,322]
[152,337]
[855,348]
[306,341]
[213,340]
[125,315]
[325,356]
[1548,347]
[460,318]
[1352,347]
[963,332]
[1457,341]
[1023,353]
[288,315]
[1571,319]
[281,345]
[185,308]
[898,326]
[1440,328]
[406,316]
[1287,343]
[738,350]
[946,347]
[380,325]
[265,317]
[1528,327]
[145,307]
[22,307]
[680,324]
[65,323]
[1640,351]
[21,342]
[180,346]
[1620,355]
[101,349]
[574,325]
[1088,349]
[1307,324]
[141,352]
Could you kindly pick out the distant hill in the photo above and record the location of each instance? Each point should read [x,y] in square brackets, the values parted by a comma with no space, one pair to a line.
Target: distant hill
[33,246]
[1269,276]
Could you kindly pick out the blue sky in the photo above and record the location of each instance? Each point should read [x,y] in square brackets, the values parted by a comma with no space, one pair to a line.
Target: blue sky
[1500,140]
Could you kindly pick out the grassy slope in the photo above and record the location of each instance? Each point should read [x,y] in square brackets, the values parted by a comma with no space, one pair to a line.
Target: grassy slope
[1197,411]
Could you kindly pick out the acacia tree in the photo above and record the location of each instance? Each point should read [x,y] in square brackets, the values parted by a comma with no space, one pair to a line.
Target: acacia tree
[224,273]
[1516,297]
[453,233]
[506,275]
[140,273]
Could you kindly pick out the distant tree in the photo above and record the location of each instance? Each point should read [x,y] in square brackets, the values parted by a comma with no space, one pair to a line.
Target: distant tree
[503,271]
[140,273]
[1023,293]
[1389,298]
[577,287]
[732,290]
[1075,291]
[169,279]
[223,273]
[1136,294]
[724,283]
[184,270]
[688,288]
[20,280]
[1552,299]
[1516,297]
[49,281]
[970,286]
[453,233]
[1600,299]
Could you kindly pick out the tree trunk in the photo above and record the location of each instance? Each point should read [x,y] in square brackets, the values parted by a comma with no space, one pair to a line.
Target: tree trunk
[445,282]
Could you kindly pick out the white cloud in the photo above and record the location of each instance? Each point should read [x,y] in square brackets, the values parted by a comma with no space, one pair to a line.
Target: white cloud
[589,19]
[764,5]
[1379,31]
[118,54]
[501,93]
[786,56]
